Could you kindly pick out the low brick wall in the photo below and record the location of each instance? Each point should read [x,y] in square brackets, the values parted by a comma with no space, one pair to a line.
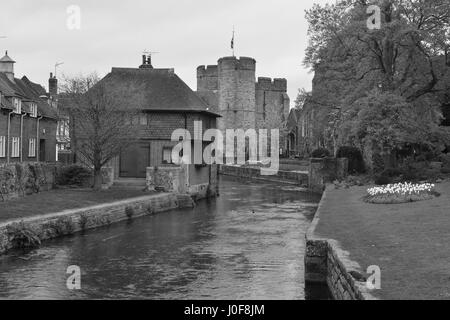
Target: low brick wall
[326,263]
[255,173]
[72,221]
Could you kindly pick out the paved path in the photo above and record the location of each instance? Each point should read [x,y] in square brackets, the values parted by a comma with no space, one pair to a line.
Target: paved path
[409,242]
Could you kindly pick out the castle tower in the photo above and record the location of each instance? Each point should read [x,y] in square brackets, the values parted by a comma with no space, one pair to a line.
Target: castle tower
[236,93]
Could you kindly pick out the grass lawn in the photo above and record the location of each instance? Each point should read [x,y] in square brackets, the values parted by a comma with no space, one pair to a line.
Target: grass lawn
[409,241]
[61,199]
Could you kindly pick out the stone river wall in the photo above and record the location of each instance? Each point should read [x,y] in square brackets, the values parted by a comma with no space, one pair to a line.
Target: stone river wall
[15,234]
[326,263]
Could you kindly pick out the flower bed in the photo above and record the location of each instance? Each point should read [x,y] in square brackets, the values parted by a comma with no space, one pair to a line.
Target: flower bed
[401,193]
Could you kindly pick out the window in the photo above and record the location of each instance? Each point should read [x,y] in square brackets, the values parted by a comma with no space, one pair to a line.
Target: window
[15,147]
[32,148]
[143,119]
[33,110]
[17,104]
[167,155]
[2,146]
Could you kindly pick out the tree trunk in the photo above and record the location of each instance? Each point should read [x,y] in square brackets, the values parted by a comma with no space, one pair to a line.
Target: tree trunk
[98,178]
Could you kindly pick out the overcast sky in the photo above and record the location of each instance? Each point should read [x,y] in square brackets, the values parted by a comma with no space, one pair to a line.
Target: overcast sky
[186,33]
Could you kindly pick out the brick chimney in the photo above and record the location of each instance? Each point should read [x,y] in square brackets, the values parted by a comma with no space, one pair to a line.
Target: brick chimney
[52,86]
[146,62]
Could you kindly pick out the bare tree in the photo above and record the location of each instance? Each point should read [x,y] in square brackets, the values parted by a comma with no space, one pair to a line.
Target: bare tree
[101,124]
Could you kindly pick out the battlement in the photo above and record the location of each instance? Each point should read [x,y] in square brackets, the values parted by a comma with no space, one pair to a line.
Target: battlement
[207,71]
[207,78]
[267,84]
[241,63]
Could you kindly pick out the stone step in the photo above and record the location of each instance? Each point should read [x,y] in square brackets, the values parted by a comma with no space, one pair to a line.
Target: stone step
[130,183]
[185,201]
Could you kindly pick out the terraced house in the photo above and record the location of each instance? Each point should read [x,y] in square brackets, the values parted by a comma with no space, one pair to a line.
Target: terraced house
[28,118]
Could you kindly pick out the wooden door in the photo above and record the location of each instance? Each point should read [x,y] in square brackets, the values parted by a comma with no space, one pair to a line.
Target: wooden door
[134,160]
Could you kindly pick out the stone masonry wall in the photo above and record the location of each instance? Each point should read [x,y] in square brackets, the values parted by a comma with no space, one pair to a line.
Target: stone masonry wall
[71,221]
[254,173]
[322,171]
[326,263]
[168,179]
[20,179]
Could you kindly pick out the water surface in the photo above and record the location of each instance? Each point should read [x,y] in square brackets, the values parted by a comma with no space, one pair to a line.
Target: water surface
[246,244]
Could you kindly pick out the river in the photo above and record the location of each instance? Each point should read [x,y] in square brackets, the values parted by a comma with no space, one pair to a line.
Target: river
[246,244]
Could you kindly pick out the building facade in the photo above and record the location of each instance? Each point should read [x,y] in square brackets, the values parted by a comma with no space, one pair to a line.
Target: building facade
[28,118]
[230,89]
[164,103]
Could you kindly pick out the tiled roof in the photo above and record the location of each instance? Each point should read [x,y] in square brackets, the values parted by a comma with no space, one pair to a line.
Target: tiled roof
[27,91]
[153,89]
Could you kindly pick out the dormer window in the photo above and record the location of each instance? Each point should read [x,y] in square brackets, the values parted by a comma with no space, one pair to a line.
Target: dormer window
[33,110]
[17,105]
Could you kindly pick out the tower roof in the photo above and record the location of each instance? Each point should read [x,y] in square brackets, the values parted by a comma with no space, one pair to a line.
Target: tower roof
[7,58]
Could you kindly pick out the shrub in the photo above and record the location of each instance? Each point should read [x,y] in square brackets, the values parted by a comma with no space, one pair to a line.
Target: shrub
[381,180]
[23,235]
[320,153]
[73,175]
[150,210]
[355,159]
[129,212]
[391,172]
[61,226]
[82,221]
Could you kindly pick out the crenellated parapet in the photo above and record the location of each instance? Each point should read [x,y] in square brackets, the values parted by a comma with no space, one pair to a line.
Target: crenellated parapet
[207,78]
[267,84]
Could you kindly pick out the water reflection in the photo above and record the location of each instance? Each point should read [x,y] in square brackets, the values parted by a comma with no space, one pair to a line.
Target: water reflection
[247,244]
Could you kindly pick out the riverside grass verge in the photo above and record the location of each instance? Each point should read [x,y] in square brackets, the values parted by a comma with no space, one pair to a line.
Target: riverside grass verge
[408,241]
[33,230]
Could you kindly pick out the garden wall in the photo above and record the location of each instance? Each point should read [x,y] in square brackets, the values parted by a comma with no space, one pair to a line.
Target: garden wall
[71,221]
[326,263]
[20,179]
[324,170]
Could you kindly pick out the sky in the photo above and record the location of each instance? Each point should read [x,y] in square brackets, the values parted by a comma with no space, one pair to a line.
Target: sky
[185,33]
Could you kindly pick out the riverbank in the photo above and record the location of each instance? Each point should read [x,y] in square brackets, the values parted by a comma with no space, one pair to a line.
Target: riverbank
[408,242]
[248,243]
[34,228]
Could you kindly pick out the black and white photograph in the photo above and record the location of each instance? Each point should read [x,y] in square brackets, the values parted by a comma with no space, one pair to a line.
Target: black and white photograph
[225,155]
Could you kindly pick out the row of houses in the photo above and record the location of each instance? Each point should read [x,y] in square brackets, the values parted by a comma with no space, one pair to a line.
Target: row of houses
[28,118]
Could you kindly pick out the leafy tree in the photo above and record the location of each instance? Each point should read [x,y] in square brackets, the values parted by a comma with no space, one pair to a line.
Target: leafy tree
[406,60]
